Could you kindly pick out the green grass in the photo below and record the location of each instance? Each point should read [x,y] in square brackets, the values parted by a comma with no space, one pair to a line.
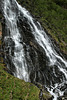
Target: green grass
[53,17]
[12,88]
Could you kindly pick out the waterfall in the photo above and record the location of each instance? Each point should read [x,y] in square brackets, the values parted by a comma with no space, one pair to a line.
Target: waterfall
[25,56]
[18,58]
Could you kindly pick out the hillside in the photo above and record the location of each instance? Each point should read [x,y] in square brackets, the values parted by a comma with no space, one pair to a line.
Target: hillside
[12,88]
[52,14]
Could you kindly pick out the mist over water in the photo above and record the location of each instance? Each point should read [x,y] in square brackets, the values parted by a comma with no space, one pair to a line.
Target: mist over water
[54,74]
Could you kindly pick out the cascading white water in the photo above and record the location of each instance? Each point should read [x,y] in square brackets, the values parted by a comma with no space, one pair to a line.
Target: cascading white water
[18,58]
[42,39]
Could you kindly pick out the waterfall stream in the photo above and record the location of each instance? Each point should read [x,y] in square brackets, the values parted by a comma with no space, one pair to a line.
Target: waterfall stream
[24,57]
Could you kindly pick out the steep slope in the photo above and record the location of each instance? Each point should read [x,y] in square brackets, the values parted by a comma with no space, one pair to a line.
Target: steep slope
[53,17]
[12,88]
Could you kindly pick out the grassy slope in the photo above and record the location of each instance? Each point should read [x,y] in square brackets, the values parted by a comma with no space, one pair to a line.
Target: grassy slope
[53,17]
[12,88]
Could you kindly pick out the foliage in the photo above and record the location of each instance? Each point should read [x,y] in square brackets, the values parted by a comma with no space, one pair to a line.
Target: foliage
[12,88]
[62,3]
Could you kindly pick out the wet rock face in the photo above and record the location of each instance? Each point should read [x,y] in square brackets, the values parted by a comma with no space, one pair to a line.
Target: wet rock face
[36,58]
[0,6]
[64,97]
[33,52]
[65,93]
[24,29]
[7,46]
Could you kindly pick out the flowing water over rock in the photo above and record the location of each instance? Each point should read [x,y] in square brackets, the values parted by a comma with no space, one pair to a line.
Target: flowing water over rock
[29,52]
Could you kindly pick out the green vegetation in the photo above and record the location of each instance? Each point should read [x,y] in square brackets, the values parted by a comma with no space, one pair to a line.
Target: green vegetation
[12,88]
[53,16]
[62,3]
